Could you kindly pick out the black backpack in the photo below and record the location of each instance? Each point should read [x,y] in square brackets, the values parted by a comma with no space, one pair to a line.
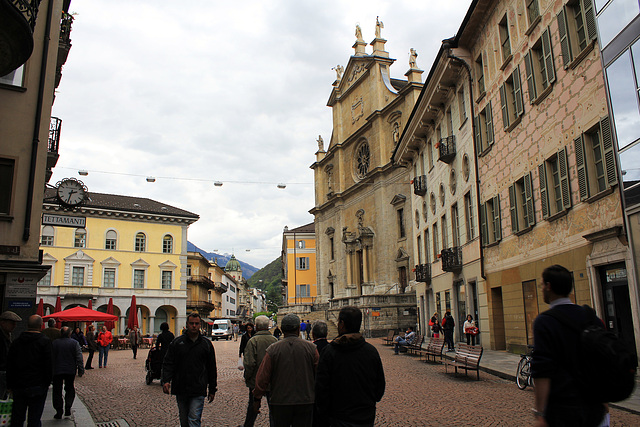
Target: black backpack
[606,367]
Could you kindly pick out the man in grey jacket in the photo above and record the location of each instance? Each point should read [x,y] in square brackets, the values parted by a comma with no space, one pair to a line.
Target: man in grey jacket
[67,360]
[289,368]
[253,354]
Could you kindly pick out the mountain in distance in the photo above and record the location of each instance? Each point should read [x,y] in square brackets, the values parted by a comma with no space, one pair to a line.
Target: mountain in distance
[247,269]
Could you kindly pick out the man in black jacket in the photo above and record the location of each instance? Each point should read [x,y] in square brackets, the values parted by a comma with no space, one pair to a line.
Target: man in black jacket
[29,373]
[67,360]
[188,368]
[350,378]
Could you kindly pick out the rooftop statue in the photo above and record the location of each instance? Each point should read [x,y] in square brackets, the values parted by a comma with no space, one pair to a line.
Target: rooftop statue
[359,33]
[412,58]
[379,27]
[339,69]
[320,142]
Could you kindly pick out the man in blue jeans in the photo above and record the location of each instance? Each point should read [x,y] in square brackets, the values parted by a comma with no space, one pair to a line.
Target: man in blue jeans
[188,368]
[408,339]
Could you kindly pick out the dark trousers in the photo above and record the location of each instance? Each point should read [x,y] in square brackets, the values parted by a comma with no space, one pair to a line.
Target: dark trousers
[31,399]
[471,339]
[292,415]
[251,416]
[89,359]
[69,392]
[448,339]
[135,350]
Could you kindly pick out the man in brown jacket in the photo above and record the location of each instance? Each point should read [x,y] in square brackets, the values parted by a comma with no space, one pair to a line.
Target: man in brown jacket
[253,354]
[289,368]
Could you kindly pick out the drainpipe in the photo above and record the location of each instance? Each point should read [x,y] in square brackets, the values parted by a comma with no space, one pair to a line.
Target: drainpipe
[447,44]
[36,126]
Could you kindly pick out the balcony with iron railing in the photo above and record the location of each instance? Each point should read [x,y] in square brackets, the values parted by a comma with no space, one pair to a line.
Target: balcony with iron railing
[420,185]
[451,259]
[64,44]
[423,273]
[447,149]
[199,305]
[53,144]
[220,287]
[201,280]
[17,21]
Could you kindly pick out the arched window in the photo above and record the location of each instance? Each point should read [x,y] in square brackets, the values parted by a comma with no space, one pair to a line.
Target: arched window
[141,242]
[161,316]
[167,244]
[80,240]
[111,240]
[47,236]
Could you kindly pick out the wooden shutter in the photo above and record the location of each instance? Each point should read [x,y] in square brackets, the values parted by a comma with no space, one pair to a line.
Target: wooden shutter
[483,224]
[517,92]
[565,47]
[528,67]
[513,206]
[505,108]
[563,171]
[497,224]
[528,195]
[547,51]
[609,154]
[544,200]
[590,19]
[478,133]
[489,116]
[583,182]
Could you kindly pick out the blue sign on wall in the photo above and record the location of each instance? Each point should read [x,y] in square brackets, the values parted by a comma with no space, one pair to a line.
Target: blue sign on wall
[20,304]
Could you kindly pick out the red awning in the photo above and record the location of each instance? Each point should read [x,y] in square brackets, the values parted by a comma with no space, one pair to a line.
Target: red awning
[80,314]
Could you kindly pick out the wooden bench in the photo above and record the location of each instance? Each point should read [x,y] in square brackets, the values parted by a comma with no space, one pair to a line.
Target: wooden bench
[434,349]
[389,338]
[416,347]
[467,357]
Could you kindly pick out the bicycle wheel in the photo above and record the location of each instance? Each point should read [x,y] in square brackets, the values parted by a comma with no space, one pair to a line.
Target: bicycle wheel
[523,373]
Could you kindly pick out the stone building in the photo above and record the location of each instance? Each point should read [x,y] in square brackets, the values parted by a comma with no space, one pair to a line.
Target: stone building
[362,205]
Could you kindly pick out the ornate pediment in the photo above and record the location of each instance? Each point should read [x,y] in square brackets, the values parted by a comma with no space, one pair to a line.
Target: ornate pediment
[79,256]
[398,199]
[167,265]
[47,258]
[140,263]
[402,255]
[110,262]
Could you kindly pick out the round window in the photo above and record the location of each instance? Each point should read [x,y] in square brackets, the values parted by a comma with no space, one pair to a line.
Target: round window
[452,182]
[433,203]
[417,219]
[363,158]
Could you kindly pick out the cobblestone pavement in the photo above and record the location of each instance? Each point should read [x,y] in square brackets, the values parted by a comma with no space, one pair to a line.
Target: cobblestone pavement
[417,394]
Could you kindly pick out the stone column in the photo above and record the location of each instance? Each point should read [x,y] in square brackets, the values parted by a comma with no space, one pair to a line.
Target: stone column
[152,324]
[365,264]
[123,324]
[349,268]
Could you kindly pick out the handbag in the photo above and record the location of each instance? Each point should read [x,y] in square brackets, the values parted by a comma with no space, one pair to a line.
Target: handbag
[5,411]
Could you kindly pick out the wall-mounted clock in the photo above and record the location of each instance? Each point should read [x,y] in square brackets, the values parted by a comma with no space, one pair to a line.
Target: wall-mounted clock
[71,192]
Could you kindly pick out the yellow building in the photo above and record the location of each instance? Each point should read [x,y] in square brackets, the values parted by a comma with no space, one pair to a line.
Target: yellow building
[32,52]
[115,247]
[226,299]
[299,265]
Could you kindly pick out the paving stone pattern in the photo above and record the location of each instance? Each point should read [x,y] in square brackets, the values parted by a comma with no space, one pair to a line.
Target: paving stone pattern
[418,394]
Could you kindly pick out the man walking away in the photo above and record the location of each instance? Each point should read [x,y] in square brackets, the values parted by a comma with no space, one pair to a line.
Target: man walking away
[253,354]
[8,322]
[67,360]
[188,368]
[51,331]
[135,339]
[448,325]
[29,373]
[319,332]
[350,378]
[289,368]
[559,397]
[91,345]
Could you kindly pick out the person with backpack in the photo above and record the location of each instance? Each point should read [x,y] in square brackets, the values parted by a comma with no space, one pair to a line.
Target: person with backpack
[561,394]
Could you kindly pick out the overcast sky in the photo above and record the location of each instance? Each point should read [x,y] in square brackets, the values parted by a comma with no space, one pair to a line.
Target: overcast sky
[193,92]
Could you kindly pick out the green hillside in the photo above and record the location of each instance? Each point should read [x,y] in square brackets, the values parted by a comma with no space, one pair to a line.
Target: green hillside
[269,279]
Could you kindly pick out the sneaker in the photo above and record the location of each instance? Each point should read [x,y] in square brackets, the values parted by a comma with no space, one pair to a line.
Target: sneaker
[58,415]
[67,412]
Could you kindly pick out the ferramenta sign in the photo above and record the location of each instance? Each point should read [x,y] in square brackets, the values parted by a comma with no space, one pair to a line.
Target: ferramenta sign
[64,220]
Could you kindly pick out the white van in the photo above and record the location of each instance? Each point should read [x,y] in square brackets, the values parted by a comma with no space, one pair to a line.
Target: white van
[222,328]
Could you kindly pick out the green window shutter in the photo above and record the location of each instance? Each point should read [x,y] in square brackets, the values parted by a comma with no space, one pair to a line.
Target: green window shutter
[514,208]
[497,224]
[528,67]
[478,133]
[517,92]
[483,224]
[563,171]
[583,182]
[609,154]
[528,193]
[590,19]
[505,110]
[547,51]
[544,200]
[489,115]
[564,37]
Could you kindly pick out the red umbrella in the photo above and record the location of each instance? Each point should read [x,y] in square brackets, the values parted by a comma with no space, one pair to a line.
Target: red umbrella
[57,309]
[81,314]
[40,310]
[90,305]
[133,314]
[110,324]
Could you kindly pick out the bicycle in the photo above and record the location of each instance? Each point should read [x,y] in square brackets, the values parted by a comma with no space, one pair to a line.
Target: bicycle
[523,374]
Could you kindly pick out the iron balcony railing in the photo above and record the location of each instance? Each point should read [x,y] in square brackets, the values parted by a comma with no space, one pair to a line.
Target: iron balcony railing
[204,280]
[452,259]
[54,135]
[420,185]
[447,149]
[423,273]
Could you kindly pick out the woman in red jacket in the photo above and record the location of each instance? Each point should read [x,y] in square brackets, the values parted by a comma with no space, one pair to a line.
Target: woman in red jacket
[104,342]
